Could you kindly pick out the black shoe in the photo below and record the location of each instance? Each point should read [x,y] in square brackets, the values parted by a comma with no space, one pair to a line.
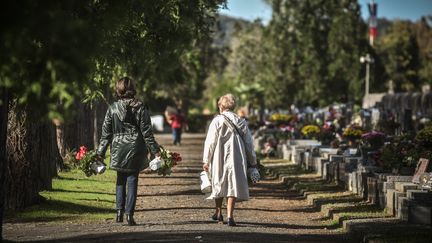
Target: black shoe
[230,222]
[119,217]
[130,220]
[216,218]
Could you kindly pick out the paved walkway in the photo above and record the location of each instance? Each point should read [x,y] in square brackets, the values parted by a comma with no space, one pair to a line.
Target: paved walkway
[173,209]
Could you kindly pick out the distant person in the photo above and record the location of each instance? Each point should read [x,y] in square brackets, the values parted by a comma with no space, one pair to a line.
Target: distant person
[128,129]
[228,152]
[178,123]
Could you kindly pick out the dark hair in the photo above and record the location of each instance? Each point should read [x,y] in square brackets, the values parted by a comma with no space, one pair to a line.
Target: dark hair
[125,88]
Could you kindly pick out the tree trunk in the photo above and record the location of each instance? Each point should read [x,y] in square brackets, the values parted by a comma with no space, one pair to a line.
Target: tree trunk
[3,135]
[32,156]
[77,130]
[99,110]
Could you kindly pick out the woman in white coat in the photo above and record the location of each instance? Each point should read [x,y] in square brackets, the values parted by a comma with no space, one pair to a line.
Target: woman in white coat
[228,152]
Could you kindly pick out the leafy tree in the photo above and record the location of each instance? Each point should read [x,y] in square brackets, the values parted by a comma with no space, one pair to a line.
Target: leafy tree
[400,52]
[346,43]
[311,47]
[423,32]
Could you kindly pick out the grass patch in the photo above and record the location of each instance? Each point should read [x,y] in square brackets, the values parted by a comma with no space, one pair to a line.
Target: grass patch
[354,210]
[73,197]
[319,185]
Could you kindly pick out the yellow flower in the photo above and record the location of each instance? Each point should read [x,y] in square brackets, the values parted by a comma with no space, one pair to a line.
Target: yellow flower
[280,117]
[353,132]
[310,130]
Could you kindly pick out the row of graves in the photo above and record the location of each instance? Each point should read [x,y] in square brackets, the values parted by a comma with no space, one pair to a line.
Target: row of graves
[391,171]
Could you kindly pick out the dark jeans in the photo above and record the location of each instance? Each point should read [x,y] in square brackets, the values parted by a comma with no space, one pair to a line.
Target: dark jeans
[131,179]
[177,135]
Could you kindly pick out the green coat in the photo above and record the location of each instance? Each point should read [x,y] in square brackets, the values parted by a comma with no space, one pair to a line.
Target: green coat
[127,128]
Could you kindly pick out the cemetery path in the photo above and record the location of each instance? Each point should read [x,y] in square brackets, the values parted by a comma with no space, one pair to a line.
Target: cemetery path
[173,208]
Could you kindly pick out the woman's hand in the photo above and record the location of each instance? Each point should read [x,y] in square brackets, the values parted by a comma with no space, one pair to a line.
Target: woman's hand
[205,167]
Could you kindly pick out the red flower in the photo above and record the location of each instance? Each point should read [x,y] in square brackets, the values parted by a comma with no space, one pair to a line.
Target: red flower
[176,157]
[81,153]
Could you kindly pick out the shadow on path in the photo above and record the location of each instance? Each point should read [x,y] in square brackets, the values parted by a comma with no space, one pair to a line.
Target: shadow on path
[201,236]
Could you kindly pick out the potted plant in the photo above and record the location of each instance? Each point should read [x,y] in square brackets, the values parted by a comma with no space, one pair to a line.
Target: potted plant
[311,131]
[327,133]
[374,140]
[353,133]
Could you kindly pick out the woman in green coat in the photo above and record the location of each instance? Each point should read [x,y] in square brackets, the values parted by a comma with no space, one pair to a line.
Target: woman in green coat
[127,129]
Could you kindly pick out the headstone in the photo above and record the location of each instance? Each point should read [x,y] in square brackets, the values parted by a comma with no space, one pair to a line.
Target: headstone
[325,170]
[381,193]
[398,196]
[307,159]
[286,152]
[342,174]
[403,209]
[316,164]
[354,184]
[279,150]
[390,201]
[331,171]
[349,183]
[372,190]
[362,184]
[419,214]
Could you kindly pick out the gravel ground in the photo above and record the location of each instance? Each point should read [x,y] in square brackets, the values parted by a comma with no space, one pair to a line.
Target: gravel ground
[173,208]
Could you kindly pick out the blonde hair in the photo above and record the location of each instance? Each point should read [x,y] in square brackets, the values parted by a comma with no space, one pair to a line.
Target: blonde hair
[227,102]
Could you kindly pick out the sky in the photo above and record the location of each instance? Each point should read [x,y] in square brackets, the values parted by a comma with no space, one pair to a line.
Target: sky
[391,9]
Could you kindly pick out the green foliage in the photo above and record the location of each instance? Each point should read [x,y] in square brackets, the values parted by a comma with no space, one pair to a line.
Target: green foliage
[311,51]
[424,137]
[400,152]
[242,73]
[54,51]
[400,51]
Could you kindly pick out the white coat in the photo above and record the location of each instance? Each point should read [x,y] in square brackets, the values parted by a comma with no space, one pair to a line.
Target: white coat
[228,157]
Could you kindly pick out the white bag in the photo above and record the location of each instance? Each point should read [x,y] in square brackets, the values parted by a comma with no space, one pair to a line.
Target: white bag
[205,182]
[156,163]
[253,174]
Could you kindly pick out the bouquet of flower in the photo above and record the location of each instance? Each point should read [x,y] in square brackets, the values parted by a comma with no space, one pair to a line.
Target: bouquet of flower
[353,132]
[327,133]
[89,162]
[310,131]
[167,160]
[374,139]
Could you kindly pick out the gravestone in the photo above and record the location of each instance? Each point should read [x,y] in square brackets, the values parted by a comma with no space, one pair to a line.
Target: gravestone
[403,208]
[372,190]
[419,213]
[390,201]
[420,207]
[286,152]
